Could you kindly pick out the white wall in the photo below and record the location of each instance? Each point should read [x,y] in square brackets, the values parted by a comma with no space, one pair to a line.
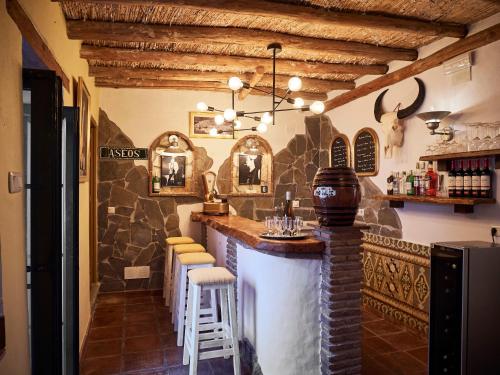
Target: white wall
[476,100]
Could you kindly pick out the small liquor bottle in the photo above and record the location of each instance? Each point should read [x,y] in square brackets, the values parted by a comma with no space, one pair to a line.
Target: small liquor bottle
[402,184]
[459,180]
[467,180]
[451,180]
[431,181]
[390,187]
[486,184]
[410,180]
[422,178]
[156,184]
[395,184]
[416,181]
[476,179]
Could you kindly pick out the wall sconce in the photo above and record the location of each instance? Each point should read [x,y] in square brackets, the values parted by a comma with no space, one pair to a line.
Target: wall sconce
[433,119]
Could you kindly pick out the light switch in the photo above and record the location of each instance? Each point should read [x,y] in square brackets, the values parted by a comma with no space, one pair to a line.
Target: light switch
[15,182]
[111,210]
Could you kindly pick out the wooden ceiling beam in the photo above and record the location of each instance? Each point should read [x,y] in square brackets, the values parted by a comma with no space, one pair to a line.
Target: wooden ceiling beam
[192,85]
[251,38]
[482,38]
[256,77]
[236,63]
[308,84]
[298,13]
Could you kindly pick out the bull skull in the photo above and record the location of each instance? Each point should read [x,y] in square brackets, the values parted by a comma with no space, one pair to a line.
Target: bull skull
[392,125]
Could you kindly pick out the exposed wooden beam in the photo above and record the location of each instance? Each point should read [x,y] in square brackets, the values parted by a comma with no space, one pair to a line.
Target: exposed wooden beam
[309,84]
[236,63]
[470,43]
[192,85]
[251,38]
[29,32]
[301,14]
[256,77]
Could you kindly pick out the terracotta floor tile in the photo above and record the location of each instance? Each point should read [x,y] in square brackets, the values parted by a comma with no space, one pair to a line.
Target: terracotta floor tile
[169,341]
[375,346]
[140,308]
[174,356]
[107,319]
[141,329]
[365,333]
[382,327]
[405,341]
[105,333]
[136,317]
[101,366]
[203,369]
[111,298]
[421,354]
[370,366]
[401,363]
[143,361]
[142,343]
[103,348]
[104,307]
[370,316]
[165,327]
[139,300]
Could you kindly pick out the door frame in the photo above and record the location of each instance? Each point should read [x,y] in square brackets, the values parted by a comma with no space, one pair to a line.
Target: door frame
[93,223]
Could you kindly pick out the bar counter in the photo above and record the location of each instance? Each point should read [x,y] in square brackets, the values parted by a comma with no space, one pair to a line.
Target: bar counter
[247,231]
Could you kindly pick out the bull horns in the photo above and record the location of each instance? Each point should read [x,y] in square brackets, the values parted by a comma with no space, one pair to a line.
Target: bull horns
[405,112]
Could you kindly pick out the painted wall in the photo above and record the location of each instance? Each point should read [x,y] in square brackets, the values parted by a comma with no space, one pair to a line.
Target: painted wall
[476,100]
[49,21]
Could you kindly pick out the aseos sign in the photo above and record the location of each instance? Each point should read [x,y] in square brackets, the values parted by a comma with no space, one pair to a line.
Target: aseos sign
[123,153]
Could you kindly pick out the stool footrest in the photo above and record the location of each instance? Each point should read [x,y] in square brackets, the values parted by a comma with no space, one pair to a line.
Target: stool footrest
[215,354]
[215,343]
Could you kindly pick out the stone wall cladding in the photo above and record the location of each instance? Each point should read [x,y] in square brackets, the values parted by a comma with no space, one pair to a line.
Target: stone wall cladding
[135,234]
[340,299]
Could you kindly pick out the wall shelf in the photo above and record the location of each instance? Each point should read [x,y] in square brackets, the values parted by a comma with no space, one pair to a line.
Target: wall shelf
[443,159]
[461,205]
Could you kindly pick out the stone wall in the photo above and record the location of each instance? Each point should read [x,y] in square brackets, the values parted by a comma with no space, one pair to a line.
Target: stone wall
[135,234]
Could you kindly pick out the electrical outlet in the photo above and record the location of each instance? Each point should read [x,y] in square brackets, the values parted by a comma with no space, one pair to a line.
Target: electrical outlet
[295,203]
[141,272]
[111,210]
[361,211]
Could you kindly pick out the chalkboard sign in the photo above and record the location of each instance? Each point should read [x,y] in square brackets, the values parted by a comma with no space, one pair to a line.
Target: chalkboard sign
[340,152]
[366,152]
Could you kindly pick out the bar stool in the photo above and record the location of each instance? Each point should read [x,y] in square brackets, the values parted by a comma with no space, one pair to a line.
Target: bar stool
[185,263]
[167,275]
[177,250]
[222,334]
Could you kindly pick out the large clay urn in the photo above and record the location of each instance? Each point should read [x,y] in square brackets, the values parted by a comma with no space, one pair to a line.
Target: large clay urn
[336,196]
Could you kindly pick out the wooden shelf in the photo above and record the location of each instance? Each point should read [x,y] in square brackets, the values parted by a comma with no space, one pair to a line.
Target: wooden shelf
[444,158]
[461,205]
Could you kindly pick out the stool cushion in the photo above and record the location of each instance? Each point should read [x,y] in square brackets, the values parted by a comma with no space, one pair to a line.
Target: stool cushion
[189,248]
[211,276]
[179,240]
[196,258]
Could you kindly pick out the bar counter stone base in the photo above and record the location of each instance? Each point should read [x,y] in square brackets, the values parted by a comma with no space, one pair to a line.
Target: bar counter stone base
[341,299]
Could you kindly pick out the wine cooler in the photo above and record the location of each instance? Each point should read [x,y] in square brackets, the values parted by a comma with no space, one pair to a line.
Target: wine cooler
[465,308]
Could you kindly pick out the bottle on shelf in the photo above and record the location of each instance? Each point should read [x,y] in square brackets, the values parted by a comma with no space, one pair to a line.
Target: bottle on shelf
[395,184]
[467,180]
[451,180]
[486,183]
[390,187]
[459,180]
[476,179]
[402,183]
[410,180]
[431,181]
[422,178]
[156,183]
[288,210]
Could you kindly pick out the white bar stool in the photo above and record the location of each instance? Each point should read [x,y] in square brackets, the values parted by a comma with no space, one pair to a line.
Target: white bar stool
[176,250]
[185,263]
[167,274]
[222,335]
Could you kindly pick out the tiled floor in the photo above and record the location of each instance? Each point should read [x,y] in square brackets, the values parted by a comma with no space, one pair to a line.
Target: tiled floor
[131,333]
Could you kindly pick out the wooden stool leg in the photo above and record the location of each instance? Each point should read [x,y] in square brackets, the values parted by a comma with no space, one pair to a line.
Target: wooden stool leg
[167,294]
[234,329]
[193,365]
[188,344]
[181,305]
[213,306]
[224,317]
[174,290]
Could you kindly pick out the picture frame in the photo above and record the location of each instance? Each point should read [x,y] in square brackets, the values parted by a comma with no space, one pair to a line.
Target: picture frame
[173,170]
[83,103]
[200,124]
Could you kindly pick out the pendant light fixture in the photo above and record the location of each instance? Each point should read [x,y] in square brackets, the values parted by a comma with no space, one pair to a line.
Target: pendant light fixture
[264,117]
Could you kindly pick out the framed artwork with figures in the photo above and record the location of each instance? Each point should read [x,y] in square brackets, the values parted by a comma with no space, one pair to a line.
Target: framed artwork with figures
[83,103]
[173,169]
[200,124]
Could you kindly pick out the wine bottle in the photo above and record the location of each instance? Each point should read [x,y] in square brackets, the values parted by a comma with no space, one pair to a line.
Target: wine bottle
[467,180]
[422,178]
[156,184]
[476,179]
[402,184]
[451,180]
[410,180]
[288,211]
[431,181]
[416,180]
[390,187]
[459,180]
[486,185]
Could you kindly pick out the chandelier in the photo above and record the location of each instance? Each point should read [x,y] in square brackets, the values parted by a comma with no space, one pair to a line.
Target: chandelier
[264,117]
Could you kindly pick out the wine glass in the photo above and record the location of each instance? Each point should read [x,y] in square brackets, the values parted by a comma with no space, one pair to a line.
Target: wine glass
[486,138]
[496,139]
[474,138]
[269,225]
[278,225]
[299,224]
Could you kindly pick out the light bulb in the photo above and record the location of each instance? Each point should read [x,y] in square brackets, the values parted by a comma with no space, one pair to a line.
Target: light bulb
[267,118]
[294,84]
[317,107]
[262,128]
[213,132]
[298,103]
[237,124]
[229,114]
[202,106]
[235,83]
[219,119]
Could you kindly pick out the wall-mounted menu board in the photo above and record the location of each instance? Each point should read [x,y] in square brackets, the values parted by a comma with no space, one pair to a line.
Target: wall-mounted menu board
[366,152]
[340,152]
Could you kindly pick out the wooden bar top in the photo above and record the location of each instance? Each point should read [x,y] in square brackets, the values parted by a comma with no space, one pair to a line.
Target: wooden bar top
[248,231]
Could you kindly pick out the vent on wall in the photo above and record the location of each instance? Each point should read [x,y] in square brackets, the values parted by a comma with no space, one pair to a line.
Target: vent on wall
[141,272]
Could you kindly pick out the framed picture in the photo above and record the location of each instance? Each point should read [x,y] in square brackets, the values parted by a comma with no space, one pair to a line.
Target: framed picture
[173,170]
[200,124]
[83,103]
[249,169]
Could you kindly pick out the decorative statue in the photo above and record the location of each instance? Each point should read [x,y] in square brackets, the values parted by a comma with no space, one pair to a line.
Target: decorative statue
[392,126]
